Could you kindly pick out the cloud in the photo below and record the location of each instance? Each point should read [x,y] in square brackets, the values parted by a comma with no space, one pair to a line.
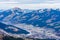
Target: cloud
[29,6]
[31,1]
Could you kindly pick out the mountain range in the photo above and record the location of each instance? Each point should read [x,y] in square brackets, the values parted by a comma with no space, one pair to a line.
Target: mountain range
[29,22]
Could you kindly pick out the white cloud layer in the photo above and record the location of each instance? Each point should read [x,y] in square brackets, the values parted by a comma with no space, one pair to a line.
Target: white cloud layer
[29,6]
[32,1]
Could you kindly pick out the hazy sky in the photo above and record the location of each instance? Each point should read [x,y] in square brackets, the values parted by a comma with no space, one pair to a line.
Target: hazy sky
[31,1]
[30,4]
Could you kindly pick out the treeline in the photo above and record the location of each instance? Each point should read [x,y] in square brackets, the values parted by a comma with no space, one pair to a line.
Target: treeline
[11,38]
